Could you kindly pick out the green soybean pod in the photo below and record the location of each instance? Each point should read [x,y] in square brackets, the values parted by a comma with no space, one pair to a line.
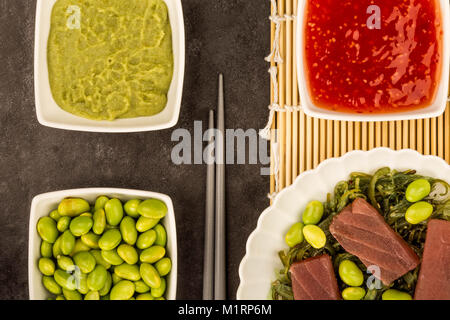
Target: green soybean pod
[313,212]
[128,272]
[294,235]
[141,287]
[56,249]
[150,275]
[65,263]
[99,219]
[128,230]
[417,190]
[71,294]
[55,215]
[146,239]
[47,230]
[123,290]
[91,240]
[97,278]
[67,242]
[110,239]
[144,224]
[159,292]
[161,235]
[92,295]
[115,278]
[353,293]
[314,236]
[393,294]
[152,254]
[46,249]
[51,285]
[107,287]
[114,211]
[152,208]
[65,279]
[85,261]
[100,202]
[63,224]
[350,273]
[418,212]
[97,254]
[112,257]
[145,296]
[80,225]
[79,247]
[131,208]
[46,266]
[164,266]
[73,207]
[82,285]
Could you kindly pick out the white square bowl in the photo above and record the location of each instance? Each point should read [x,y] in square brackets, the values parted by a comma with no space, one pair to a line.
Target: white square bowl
[44,203]
[51,115]
[436,108]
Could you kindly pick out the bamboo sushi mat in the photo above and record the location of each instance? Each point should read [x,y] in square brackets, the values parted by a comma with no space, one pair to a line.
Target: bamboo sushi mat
[300,142]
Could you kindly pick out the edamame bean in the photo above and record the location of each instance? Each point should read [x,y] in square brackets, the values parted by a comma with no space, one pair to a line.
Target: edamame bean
[46,228]
[161,235]
[80,225]
[92,295]
[417,190]
[99,219]
[91,240]
[46,249]
[152,254]
[63,224]
[150,275]
[128,272]
[67,242]
[55,215]
[141,287]
[123,290]
[353,293]
[145,296]
[131,208]
[110,239]
[73,207]
[152,208]
[85,261]
[56,249]
[418,212]
[108,284]
[393,294]
[46,266]
[115,278]
[65,279]
[295,234]
[97,254]
[144,224]
[114,212]
[350,273]
[112,257]
[159,292]
[314,236]
[60,297]
[79,247]
[65,263]
[313,212]
[71,294]
[164,266]
[86,214]
[82,282]
[97,278]
[51,285]
[128,253]
[128,230]
[146,239]
[100,202]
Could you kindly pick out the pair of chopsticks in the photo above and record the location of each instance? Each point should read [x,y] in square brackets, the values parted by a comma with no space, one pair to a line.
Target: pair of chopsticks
[214,268]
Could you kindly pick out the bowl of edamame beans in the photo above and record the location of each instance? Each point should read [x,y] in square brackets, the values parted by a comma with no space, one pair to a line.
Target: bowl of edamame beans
[102,244]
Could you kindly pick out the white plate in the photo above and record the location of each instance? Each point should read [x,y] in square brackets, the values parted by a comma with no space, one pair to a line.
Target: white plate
[434,110]
[261,263]
[43,204]
[51,115]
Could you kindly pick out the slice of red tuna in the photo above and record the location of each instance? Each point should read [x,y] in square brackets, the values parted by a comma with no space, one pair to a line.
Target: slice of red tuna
[362,231]
[314,279]
[434,276]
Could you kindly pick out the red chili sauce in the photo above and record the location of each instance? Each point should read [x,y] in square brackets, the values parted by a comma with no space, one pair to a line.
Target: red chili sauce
[352,68]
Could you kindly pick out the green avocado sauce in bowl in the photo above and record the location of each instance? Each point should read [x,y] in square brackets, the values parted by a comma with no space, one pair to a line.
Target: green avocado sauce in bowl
[110,59]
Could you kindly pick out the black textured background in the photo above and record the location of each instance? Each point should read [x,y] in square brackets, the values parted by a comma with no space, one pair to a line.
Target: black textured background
[229,36]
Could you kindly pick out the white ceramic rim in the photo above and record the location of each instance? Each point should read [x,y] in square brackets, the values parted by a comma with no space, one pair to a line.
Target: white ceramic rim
[278,213]
[51,115]
[434,110]
[36,289]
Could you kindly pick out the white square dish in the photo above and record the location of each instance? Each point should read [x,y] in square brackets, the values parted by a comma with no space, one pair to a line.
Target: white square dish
[51,115]
[435,109]
[44,203]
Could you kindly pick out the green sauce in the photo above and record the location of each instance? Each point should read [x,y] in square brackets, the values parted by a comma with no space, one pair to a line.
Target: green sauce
[110,59]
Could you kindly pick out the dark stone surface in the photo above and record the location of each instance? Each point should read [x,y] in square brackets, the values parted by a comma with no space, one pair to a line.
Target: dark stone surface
[229,36]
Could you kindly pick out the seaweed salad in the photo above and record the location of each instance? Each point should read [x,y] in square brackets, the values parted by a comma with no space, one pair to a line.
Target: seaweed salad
[384,190]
